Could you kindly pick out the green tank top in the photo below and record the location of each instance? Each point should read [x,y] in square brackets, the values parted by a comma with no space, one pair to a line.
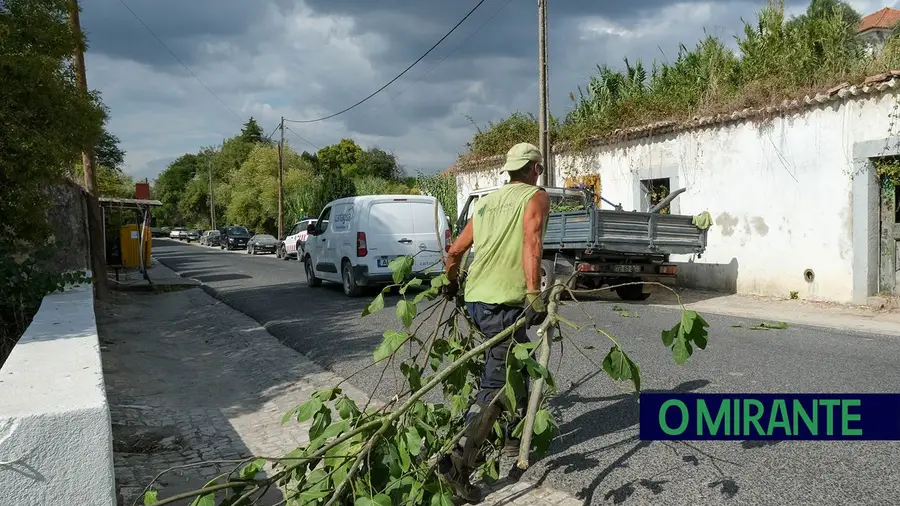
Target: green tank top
[497,276]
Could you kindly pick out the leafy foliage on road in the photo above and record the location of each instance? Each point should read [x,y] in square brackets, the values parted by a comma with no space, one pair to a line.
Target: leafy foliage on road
[390,454]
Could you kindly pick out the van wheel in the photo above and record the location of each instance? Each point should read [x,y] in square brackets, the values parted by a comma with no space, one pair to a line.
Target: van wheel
[351,289]
[632,292]
[311,278]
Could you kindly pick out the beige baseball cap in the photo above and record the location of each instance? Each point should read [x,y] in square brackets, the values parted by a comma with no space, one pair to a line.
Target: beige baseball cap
[520,154]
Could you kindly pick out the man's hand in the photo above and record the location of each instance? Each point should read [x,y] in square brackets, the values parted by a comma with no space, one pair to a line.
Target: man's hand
[535,309]
[450,290]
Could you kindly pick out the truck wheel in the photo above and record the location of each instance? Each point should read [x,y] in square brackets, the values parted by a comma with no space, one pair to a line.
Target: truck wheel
[632,292]
[548,277]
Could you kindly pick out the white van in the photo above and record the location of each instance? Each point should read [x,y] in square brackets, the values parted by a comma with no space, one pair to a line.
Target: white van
[355,239]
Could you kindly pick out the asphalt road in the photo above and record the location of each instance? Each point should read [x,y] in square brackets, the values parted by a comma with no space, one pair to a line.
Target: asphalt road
[598,456]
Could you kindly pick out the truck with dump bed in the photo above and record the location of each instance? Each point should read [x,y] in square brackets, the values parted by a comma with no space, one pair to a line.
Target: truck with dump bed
[609,247]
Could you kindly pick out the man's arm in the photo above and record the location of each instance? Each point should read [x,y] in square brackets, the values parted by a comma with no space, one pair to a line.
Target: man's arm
[536,212]
[457,250]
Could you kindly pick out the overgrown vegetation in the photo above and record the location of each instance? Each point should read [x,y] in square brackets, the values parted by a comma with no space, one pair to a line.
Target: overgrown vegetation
[244,174]
[778,58]
[46,123]
[390,454]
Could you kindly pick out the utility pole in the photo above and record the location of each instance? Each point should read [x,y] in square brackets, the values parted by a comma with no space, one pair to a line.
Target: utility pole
[95,215]
[543,119]
[281,181]
[212,201]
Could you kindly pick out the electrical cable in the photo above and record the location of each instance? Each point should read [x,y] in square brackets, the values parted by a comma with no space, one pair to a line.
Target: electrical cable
[497,12]
[211,92]
[301,137]
[379,90]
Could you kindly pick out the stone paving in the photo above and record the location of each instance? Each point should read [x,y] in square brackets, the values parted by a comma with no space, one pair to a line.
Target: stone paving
[191,380]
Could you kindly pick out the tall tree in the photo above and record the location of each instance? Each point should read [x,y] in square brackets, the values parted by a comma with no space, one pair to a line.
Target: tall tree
[109,154]
[252,133]
[341,157]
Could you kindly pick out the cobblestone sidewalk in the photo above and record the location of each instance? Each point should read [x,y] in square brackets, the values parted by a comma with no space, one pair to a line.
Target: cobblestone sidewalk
[189,379]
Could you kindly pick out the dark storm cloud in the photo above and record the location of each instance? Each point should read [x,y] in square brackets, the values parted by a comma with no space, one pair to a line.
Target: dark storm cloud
[181,24]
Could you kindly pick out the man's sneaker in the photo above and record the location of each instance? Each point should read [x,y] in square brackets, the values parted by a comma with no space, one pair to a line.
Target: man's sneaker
[459,479]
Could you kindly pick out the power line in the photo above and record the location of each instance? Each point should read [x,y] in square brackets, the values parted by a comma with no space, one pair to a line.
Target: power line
[461,44]
[269,137]
[301,137]
[379,90]
[211,92]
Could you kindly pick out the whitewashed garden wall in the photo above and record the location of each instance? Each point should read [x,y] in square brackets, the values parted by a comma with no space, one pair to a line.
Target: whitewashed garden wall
[780,190]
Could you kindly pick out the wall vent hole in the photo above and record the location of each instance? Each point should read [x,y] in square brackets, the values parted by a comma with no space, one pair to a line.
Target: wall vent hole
[809,275]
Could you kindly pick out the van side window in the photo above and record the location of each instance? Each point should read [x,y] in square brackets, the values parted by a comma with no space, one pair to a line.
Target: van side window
[322,224]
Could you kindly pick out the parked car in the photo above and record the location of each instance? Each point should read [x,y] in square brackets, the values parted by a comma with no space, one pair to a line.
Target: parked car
[294,240]
[160,231]
[192,235]
[355,239]
[210,238]
[262,243]
[178,233]
[234,237]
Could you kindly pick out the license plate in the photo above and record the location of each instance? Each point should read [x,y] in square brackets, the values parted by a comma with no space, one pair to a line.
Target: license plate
[626,268]
[382,261]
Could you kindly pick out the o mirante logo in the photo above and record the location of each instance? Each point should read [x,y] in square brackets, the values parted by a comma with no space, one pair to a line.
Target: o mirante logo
[769,416]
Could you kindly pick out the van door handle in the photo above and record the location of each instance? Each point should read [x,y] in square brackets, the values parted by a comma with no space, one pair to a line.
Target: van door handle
[405,240]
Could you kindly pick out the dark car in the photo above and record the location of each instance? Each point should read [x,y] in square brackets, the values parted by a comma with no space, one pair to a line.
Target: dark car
[262,243]
[234,237]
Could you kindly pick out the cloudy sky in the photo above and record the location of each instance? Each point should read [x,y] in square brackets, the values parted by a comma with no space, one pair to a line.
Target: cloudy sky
[304,59]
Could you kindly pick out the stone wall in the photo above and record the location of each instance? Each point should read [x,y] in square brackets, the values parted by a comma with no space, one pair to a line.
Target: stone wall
[69,243]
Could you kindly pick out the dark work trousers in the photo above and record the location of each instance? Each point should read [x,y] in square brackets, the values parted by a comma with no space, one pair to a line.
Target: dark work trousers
[491,319]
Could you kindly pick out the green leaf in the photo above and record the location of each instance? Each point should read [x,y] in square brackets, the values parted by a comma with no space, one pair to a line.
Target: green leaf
[382,500]
[429,294]
[249,471]
[682,350]
[401,268]
[346,407]
[413,441]
[439,281]
[619,366]
[375,306]
[413,375]
[327,394]
[308,409]
[289,415]
[442,499]
[542,421]
[320,422]
[150,498]
[392,342]
[406,311]
[205,500]
[668,336]
[403,453]
[335,429]
[412,282]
